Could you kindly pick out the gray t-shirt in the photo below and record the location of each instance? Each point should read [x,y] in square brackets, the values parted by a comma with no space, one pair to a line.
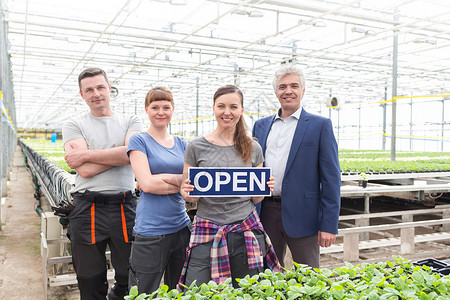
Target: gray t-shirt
[103,133]
[221,210]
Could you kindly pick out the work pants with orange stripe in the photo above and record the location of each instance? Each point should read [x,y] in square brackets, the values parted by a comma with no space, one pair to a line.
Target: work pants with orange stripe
[97,221]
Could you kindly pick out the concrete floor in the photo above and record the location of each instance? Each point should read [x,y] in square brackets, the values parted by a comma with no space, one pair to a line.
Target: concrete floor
[20,260]
[21,275]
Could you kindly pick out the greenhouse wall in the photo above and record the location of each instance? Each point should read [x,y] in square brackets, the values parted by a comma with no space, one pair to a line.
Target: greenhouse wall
[423,124]
[8,114]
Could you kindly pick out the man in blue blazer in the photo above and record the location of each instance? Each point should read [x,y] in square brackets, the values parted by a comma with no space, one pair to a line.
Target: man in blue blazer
[301,149]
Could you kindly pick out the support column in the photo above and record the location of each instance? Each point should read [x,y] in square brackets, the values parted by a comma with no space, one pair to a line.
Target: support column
[411,125]
[366,204]
[383,145]
[359,127]
[351,247]
[364,236]
[446,215]
[196,107]
[407,236]
[442,125]
[394,90]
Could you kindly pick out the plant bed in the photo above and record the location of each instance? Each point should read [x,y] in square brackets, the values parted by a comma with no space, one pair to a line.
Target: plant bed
[400,279]
[373,162]
[352,162]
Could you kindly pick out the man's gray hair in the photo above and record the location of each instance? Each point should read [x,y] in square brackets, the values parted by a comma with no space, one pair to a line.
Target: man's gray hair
[286,70]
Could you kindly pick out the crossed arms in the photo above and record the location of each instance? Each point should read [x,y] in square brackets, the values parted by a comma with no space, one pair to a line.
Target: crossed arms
[160,184]
[89,162]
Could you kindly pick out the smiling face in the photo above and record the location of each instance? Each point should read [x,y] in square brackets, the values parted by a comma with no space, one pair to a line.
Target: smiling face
[160,113]
[228,110]
[96,92]
[289,92]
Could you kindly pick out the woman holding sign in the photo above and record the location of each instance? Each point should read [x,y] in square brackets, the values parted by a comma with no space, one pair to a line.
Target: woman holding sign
[162,225]
[228,240]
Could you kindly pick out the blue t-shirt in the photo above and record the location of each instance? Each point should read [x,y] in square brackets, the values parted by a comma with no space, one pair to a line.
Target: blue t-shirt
[160,214]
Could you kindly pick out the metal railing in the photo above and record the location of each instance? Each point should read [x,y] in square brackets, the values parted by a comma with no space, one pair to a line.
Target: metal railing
[53,181]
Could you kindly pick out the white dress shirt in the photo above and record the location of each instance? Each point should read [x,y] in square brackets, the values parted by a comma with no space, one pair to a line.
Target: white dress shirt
[278,146]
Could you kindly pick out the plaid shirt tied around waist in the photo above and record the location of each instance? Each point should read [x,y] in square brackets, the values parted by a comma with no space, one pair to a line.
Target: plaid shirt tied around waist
[204,231]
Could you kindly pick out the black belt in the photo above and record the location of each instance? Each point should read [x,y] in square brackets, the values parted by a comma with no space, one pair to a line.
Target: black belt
[273,198]
[98,197]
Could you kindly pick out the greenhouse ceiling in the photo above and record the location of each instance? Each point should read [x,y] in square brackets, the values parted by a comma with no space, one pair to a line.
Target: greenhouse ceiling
[346,49]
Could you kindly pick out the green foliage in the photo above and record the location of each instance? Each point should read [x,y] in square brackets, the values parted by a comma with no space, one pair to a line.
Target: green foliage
[399,279]
[351,161]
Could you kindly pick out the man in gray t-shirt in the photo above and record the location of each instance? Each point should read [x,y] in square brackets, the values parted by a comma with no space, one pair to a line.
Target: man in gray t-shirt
[105,204]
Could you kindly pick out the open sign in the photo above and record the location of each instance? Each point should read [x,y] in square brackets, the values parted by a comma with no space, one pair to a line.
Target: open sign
[223,182]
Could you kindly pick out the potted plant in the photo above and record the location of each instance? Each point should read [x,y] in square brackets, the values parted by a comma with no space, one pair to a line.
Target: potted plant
[363,180]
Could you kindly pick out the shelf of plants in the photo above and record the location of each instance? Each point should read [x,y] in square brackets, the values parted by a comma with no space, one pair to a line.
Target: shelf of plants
[378,162]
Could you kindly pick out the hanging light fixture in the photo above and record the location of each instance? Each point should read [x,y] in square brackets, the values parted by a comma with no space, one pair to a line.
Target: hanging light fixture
[319,24]
[240,11]
[430,41]
[359,29]
[178,2]
[255,14]
[252,13]
[363,30]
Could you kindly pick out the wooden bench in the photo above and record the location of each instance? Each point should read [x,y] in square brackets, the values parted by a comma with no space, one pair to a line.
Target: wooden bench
[429,237]
[406,216]
[407,240]
[357,236]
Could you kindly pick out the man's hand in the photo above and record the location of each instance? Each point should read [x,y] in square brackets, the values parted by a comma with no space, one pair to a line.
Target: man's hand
[271,183]
[63,209]
[326,239]
[76,157]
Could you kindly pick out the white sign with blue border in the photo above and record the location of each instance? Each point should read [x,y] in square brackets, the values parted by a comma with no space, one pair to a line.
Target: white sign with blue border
[229,182]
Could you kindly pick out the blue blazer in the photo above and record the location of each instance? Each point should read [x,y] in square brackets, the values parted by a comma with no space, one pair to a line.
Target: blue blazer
[310,193]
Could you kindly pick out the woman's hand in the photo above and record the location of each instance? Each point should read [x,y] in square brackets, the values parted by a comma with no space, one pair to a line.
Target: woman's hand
[185,188]
[271,183]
